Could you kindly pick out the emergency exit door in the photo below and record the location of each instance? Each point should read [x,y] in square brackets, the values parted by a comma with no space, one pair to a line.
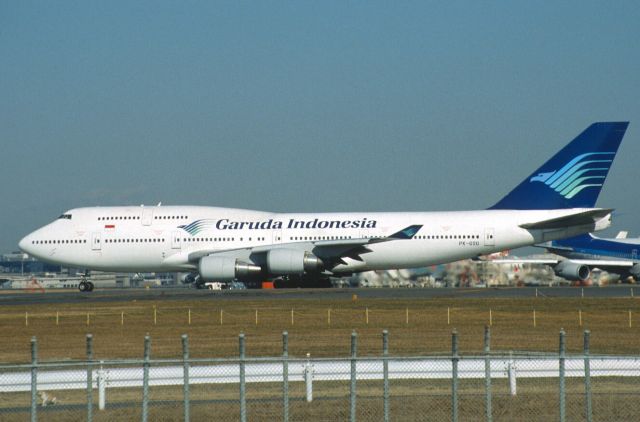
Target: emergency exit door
[489,237]
[96,238]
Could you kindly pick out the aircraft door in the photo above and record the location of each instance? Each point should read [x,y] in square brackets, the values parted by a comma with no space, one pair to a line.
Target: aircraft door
[95,241]
[489,237]
[276,236]
[147,216]
[175,240]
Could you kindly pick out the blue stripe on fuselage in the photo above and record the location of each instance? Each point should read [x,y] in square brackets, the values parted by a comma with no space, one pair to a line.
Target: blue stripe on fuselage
[594,247]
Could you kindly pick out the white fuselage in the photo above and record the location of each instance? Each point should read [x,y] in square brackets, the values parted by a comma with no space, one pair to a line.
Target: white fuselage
[166,238]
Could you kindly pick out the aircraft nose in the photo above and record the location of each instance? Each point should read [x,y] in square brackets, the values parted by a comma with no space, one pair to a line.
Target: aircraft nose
[25,244]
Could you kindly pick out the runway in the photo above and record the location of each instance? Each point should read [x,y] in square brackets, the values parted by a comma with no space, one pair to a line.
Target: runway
[13,297]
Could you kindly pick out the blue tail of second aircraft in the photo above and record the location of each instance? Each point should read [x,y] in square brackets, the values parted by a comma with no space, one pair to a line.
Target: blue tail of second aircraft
[574,176]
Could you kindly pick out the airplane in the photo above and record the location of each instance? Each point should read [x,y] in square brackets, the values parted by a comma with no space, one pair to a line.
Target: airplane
[583,253]
[226,244]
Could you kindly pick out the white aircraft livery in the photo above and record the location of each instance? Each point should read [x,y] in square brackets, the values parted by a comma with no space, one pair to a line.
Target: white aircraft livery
[224,244]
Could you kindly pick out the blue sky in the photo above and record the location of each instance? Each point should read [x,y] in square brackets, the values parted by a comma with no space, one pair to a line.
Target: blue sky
[305,106]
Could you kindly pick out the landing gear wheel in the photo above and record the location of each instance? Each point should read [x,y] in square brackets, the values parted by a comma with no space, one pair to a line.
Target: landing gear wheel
[83,286]
[91,286]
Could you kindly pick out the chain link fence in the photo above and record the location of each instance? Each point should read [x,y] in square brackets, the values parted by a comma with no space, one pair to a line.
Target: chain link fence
[492,386]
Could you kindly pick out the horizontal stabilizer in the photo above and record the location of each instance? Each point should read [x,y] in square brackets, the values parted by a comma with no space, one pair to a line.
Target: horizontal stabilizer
[578,219]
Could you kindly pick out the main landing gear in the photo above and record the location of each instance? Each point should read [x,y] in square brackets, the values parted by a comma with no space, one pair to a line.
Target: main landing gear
[85,285]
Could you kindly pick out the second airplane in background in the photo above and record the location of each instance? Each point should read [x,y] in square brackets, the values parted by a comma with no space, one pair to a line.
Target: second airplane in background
[581,254]
[224,244]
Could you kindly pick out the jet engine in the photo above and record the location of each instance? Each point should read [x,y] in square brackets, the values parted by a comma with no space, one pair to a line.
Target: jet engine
[292,261]
[572,271]
[224,268]
[189,278]
[635,271]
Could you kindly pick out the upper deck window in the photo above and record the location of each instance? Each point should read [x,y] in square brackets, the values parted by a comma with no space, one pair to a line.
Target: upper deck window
[65,217]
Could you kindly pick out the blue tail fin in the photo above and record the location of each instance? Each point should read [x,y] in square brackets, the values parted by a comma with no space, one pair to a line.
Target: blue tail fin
[574,176]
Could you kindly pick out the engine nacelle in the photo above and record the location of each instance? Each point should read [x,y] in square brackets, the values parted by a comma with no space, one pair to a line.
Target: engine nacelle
[635,271]
[292,261]
[224,268]
[189,278]
[572,271]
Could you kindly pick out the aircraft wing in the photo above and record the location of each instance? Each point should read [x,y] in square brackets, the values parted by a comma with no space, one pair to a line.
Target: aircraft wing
[599,263]
[609,265]
[545,261]
[329,250]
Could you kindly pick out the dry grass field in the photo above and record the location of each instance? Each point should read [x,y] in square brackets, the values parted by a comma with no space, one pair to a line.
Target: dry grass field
[319,327]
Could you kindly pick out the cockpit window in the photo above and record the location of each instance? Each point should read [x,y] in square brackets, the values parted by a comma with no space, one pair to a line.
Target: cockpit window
[65,217]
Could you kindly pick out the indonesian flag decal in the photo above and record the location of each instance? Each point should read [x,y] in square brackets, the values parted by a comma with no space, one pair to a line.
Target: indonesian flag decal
[110,226]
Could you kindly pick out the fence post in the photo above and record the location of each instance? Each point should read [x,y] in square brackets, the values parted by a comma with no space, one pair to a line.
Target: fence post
[454,375]
[580,317]
[354,350]
[308,379]
[243,399]
[385,373]
[562,372]
[587,376]
[34,379]
[185,388]
[145,378]
[89,378]
[511,373]
[101,388]
[487,373]
[285,375]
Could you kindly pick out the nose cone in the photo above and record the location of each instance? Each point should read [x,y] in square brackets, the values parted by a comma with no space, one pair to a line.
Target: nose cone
[25,244]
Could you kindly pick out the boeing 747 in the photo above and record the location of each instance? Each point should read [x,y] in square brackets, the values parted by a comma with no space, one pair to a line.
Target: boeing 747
[224,244]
